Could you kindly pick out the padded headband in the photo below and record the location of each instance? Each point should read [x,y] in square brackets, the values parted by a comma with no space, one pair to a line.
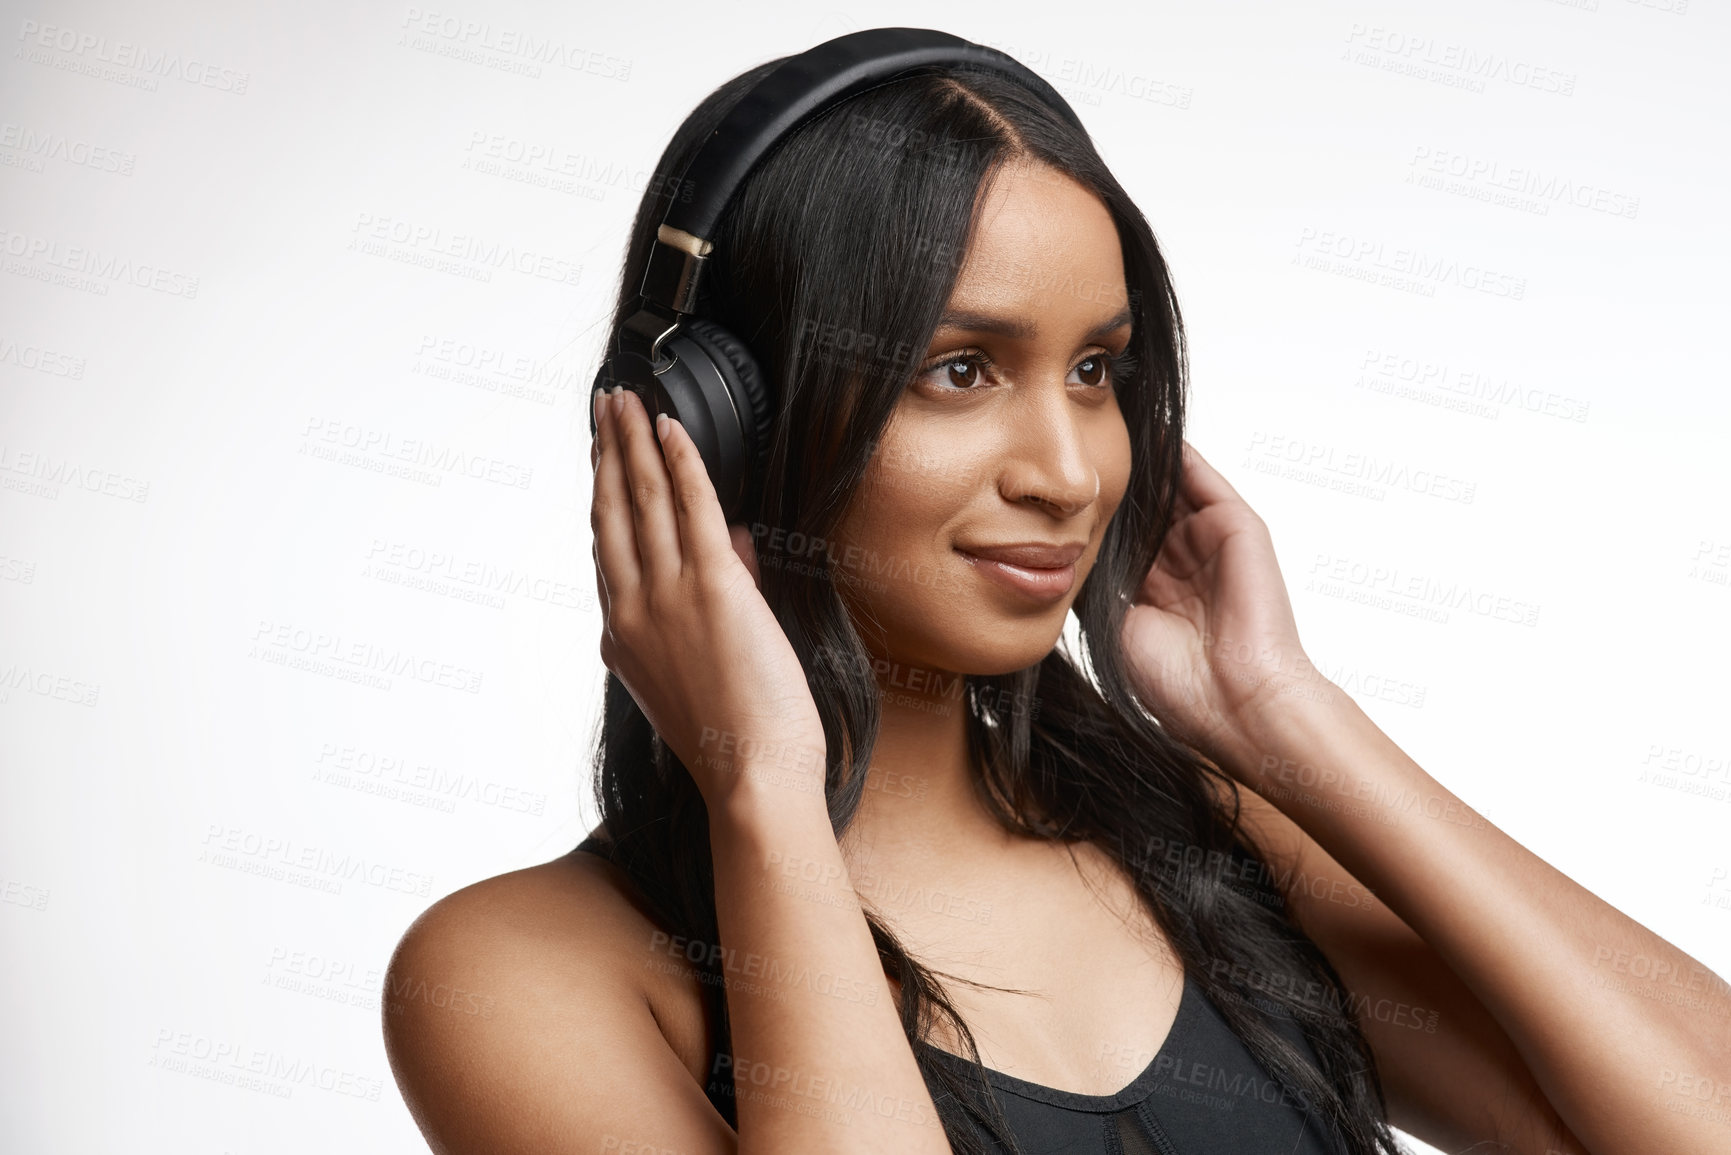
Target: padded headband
[799,88]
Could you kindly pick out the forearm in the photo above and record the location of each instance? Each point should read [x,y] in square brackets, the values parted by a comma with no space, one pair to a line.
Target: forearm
[1622,1030]
[820,1061]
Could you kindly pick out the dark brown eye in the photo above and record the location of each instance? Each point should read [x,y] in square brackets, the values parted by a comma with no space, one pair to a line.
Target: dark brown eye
[961,371]
[1093,370]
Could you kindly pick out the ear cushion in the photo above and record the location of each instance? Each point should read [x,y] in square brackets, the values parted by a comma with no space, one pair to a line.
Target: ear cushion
[758,417]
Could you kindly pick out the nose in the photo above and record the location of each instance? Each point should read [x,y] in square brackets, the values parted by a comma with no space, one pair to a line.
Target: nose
[1048,462]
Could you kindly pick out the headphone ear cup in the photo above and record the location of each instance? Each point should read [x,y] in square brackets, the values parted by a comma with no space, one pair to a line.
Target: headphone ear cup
[745,384]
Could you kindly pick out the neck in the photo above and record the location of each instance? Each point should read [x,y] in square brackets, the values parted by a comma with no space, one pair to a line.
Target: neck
[920,799]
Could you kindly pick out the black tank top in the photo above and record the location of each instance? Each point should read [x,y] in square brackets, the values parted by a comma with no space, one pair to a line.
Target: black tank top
[1203,1093]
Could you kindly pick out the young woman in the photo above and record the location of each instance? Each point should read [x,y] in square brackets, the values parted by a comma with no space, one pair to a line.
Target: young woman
[884,868]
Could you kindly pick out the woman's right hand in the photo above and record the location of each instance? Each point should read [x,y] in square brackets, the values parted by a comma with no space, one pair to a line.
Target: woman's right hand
[684,625]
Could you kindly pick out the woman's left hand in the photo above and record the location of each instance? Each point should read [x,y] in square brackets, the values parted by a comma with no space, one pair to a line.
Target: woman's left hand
[1210,635]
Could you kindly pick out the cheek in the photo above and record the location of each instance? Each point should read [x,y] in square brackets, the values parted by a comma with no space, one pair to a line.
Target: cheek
[1114,460]
[892,511]
[912,487]
[891,554]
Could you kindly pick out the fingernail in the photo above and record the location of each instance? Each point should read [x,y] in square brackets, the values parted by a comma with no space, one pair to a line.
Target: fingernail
[618,399]
[595,404]
[661,426]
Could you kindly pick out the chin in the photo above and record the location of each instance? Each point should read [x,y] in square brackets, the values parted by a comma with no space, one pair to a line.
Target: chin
[964,626]
[1016,643]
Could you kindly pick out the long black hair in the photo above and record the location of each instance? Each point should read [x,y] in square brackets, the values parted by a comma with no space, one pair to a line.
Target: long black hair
[855,225]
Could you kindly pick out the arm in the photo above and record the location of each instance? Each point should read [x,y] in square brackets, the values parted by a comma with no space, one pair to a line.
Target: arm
[1627,1037]
[1449,1073]
[820,1061]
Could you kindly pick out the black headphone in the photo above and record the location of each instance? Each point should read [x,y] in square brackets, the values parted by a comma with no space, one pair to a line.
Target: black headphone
[691,368]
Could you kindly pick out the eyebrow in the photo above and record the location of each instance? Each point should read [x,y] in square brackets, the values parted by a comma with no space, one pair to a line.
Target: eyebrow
[1021,330]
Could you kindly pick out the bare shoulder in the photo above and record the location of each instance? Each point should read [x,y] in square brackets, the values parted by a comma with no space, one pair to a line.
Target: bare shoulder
[519,1015]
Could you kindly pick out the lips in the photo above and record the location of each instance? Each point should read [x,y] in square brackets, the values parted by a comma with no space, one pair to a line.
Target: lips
[1028,554]
[1032,570]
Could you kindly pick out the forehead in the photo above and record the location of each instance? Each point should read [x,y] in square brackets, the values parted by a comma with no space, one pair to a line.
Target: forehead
[1042,243]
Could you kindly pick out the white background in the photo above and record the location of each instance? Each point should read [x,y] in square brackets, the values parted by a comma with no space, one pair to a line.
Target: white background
[197,312]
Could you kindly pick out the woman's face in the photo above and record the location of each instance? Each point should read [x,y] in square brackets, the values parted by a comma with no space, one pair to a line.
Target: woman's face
[1024,445]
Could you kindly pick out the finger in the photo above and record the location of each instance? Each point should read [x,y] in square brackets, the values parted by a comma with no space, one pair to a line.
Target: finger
[740,537]
[610,513]
[1182,506]
[701,525]
[1202,485]
[595,438]
[651,492]
[601,599]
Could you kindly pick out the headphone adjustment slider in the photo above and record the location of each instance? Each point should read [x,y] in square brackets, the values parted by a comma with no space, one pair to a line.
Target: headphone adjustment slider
[674,271]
